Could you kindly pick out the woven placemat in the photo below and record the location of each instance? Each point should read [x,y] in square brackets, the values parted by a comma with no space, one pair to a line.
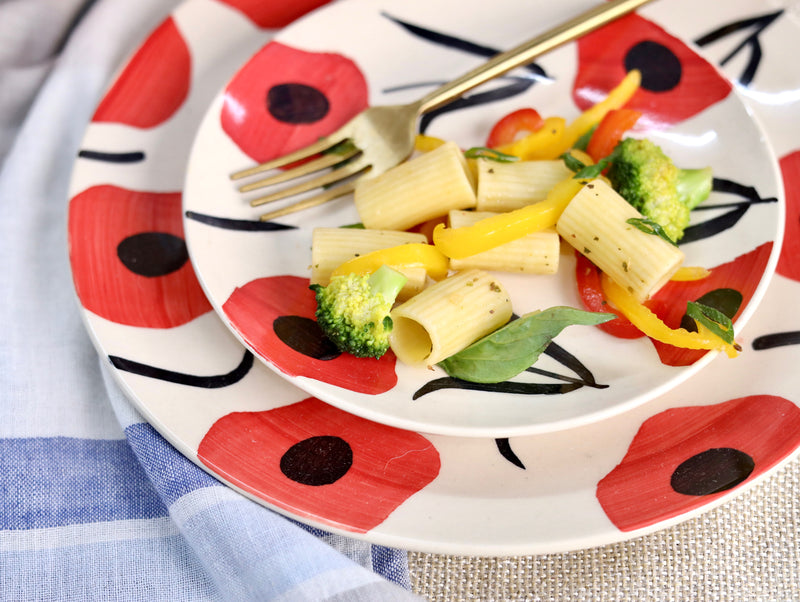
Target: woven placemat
[746,549]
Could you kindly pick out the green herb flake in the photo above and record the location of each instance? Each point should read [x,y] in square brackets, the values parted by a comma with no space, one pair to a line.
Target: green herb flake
[582,143]
[573,163]
[648,226]
[482,152]
[588,172]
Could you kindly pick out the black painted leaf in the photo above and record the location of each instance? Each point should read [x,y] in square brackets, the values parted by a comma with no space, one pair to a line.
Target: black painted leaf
[504,447]
[509,387]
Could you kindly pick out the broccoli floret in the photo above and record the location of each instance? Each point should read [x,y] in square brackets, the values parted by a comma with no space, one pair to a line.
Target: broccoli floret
[648,179]
[353,310]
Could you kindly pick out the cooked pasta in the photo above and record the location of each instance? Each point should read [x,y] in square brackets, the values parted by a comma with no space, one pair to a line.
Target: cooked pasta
[536,253]
[448,316]
[331,247]
[508,186]
[420,189]
[595,223]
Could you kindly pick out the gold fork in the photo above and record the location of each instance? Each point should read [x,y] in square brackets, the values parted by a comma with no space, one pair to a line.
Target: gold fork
[380,137]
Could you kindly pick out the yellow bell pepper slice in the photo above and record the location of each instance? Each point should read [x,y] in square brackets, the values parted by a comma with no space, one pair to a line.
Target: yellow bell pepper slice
[545,143]
[411,255]
[496,230]
[690,274]
[616,99]
[581,156]
[650,324]
[424,143]
[556,137]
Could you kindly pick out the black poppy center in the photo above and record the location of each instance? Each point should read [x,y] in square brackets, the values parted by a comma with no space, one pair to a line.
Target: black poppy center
[661,69]
[152,254]
[318,460]
[712,471]
[296,103]
[304,336]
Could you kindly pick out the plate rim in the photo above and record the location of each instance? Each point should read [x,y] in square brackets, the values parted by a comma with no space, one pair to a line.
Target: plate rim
[378,536]
[339,396]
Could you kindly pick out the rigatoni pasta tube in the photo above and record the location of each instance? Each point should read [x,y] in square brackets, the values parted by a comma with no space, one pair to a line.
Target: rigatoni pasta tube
[448,316]
[420,189]
[535,253]
[508,186]
[595,223]
[331,247]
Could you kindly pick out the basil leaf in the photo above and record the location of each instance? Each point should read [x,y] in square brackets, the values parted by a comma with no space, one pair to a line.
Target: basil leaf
[517,345]
[482,152]
[713,319]
[648,226]
[726,300]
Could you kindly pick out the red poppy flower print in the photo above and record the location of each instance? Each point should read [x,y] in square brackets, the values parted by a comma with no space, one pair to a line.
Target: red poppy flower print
[273,15]
[789,260]
[284,99]
[275,316]
[685,458]
[316,461]
[676,82]
[129,259]
[153,85]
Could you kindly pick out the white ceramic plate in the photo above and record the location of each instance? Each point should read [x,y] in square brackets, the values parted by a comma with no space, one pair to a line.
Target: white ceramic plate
[196,384]
[390,52]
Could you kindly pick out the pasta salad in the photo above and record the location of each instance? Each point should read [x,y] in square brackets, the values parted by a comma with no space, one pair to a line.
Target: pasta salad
[419,273]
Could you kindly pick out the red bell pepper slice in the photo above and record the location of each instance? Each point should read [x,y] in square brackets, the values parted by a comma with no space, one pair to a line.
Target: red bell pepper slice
[508,128]
[587,276]
[610,131]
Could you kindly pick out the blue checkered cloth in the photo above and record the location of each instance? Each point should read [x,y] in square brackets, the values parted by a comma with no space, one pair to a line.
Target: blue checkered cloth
[94,503]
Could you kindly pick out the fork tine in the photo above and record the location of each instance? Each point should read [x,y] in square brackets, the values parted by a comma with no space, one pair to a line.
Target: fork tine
[350,169]
[315,148]
[324,161]
[314,201]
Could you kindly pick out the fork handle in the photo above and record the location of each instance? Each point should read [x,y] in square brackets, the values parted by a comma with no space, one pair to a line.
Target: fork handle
[526,52]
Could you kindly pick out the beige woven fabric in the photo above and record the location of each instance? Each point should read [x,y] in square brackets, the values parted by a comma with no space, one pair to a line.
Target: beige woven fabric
[745,550]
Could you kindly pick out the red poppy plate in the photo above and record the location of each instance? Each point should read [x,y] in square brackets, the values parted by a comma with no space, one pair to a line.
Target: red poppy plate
[709,438]
[321,71]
